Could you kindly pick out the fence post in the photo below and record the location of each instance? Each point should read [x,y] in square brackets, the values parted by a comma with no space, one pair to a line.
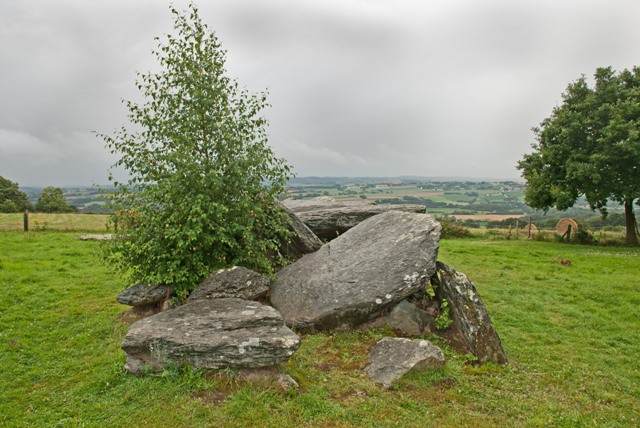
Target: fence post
[529,236]
[26,220]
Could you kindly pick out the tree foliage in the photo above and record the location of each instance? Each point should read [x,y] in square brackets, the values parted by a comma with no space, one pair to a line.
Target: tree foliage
[589,146]
[52,200]
[203,180]
[12,199]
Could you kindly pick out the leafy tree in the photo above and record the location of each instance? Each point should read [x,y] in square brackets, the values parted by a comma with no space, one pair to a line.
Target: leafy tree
[52,200]
[590,145]
[203,180]
[95,208]
[12,200]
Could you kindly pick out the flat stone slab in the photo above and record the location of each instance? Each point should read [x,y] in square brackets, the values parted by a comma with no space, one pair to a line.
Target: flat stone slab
[96,237]
[321,202]
[392,357]
[357,276]
[210,334]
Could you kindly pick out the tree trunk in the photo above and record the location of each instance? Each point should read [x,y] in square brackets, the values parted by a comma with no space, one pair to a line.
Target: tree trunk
[630,219]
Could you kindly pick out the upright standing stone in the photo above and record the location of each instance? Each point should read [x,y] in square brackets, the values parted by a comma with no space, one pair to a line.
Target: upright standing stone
[469,315]
[302,241]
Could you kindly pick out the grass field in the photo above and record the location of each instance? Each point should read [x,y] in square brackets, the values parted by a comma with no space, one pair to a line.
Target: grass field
[54,221]
[572,334]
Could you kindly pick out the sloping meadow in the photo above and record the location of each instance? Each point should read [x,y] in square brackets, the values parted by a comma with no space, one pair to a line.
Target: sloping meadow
[570,331]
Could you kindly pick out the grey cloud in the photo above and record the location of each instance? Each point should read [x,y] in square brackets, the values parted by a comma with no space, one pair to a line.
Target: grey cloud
[358,87]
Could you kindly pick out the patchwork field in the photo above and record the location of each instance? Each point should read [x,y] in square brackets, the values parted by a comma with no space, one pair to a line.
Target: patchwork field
[474,202]
[446,197]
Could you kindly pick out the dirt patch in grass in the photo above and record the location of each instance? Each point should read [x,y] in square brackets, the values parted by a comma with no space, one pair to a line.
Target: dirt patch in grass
[325,367]
[436,392]
[346,396]
[210,398]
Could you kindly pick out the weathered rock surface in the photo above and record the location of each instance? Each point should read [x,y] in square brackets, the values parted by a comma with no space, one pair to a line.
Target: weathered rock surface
[238,282]
[355,277]
[410,319]
[303,240]
[142,294]
[329,219]
[300,205]
[469,315]
[210,334]
[392,357]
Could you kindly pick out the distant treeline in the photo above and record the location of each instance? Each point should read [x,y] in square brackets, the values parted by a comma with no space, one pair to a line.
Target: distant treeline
[403,180]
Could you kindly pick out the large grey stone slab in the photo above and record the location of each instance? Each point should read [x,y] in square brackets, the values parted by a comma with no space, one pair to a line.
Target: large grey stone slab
[329,218]
[210,334]
[355,277]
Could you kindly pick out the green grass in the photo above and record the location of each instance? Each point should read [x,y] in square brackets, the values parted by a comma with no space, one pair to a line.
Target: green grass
[572,332]
[572,335]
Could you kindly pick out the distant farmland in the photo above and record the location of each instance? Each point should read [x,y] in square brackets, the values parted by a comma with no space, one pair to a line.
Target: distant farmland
[490,217]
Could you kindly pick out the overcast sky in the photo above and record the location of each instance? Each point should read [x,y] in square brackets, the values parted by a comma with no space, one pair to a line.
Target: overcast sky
[357,87]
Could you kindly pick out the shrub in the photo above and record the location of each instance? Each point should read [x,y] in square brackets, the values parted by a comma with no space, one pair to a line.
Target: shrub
[204,181]
[452,229]
[583,236]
